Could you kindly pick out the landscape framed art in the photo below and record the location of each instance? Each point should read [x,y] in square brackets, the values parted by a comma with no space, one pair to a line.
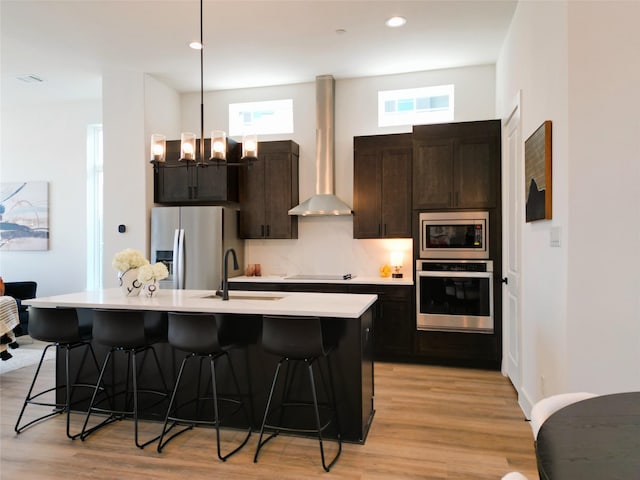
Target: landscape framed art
[24,216]
[537,172]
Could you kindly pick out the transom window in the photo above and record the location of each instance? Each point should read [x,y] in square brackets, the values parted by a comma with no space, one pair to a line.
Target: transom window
[415,106]
[261,118]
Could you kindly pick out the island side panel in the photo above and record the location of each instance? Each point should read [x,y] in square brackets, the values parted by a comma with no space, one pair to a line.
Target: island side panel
[352,365]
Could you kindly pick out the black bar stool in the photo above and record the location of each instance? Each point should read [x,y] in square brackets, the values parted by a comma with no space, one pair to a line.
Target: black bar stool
[297,340]
[63,329]
[205,336]
[132,332]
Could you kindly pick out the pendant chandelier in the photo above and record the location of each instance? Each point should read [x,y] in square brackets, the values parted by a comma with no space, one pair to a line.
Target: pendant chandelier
[188,151]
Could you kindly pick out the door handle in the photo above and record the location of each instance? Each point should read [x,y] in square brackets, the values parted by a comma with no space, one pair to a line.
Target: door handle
[505,280]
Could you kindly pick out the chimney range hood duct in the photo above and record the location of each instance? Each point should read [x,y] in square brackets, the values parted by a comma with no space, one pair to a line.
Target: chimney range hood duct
[324,202]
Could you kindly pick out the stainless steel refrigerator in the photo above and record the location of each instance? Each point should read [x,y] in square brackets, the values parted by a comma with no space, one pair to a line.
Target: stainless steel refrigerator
[191,242]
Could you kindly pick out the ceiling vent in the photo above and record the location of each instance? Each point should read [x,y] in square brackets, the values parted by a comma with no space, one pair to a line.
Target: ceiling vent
[30,78]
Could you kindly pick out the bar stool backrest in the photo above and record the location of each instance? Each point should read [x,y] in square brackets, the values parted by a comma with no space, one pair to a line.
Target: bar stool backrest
[54,325]
[293,337]
[119,328]
[194,332]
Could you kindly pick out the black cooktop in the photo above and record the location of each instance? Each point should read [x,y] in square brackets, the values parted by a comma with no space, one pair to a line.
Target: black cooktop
[346,276]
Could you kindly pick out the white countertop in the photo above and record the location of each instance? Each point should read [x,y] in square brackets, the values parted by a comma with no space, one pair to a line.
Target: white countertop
[342,305]
[406,280]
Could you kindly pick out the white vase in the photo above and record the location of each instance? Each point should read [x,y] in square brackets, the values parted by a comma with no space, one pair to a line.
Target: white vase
[150,288]
[129,282]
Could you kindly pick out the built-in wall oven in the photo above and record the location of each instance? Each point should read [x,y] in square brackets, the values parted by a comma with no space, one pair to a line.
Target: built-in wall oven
[454,295]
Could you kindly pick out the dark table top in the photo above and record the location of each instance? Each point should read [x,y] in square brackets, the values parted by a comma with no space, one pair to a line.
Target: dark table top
[597,438]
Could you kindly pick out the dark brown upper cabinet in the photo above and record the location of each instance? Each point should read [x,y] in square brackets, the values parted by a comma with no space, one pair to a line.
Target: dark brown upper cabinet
[268,190]
[184,183]
[456,165]
[382,186]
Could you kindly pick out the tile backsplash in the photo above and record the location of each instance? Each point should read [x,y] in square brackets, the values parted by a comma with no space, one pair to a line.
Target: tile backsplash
[325,245]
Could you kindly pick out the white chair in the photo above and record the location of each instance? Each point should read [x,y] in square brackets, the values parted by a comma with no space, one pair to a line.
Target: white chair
[547,406]
[514,476]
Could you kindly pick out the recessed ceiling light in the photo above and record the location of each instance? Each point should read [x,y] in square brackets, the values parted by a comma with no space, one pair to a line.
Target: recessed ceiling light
[395,22]
[195,45]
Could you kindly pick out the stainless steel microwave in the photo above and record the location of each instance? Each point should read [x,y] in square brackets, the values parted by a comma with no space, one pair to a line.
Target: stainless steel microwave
[454,235]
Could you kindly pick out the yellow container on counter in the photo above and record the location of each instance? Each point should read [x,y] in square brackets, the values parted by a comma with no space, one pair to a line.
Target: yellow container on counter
[385,271]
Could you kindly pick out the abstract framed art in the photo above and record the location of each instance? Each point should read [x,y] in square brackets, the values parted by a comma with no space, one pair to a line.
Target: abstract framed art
[24,216]
[537,172]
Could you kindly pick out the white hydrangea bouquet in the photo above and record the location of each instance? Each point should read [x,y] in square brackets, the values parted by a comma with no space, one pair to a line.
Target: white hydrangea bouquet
[149,273]
[128,259]
[127,262]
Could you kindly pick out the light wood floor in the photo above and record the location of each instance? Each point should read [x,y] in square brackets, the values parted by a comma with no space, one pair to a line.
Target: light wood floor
[430,423]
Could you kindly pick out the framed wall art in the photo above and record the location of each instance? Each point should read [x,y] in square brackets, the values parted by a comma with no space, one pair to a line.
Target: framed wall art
[537,173]
[24,216]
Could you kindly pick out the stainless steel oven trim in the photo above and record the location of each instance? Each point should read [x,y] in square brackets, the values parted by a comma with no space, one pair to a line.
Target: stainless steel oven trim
[455,323]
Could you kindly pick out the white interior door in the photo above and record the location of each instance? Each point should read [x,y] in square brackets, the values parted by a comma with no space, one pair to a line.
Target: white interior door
[513,209]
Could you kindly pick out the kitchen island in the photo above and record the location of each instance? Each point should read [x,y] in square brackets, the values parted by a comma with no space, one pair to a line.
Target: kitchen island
[353,360]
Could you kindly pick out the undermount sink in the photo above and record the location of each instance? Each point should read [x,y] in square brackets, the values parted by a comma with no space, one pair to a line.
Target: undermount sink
[245,296]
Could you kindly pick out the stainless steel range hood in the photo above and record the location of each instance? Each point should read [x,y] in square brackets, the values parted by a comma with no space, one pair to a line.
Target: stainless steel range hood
[324,202]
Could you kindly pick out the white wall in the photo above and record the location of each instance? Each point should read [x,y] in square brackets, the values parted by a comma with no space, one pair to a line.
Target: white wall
[604,221]
[48,143]
[537,65]
[579,301]
[326,244]
[162,115]
[125,166]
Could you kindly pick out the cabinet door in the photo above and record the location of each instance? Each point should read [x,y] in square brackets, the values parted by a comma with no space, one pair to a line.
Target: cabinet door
[433,174]
[393,328]
[173,185]
[367,194]
[396,192]
[252,207]
[278,174]
[211,183]
[382,186]
[268,190]
[456,165]
[217,182]
[474,172]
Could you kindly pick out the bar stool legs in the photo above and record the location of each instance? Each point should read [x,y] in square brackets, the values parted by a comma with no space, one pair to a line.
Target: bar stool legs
[121,414]
[175,421]
[320,427]
[63,329]
[58,408]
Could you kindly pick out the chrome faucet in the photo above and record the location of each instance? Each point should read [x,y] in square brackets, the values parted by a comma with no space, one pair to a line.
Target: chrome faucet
[225,271]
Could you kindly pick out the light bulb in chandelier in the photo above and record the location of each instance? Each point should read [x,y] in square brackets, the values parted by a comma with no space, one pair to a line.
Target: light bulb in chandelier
[250,146]
[218,145]
[158,148]
[188,146]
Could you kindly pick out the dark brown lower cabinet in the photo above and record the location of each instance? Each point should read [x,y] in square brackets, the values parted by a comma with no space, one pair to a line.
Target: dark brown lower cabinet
[393,323]
[477,350]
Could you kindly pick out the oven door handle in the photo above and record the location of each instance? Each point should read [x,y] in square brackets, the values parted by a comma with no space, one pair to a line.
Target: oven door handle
[455,274]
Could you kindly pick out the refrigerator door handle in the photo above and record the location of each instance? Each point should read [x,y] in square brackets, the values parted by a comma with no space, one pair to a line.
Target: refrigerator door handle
[178,258]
